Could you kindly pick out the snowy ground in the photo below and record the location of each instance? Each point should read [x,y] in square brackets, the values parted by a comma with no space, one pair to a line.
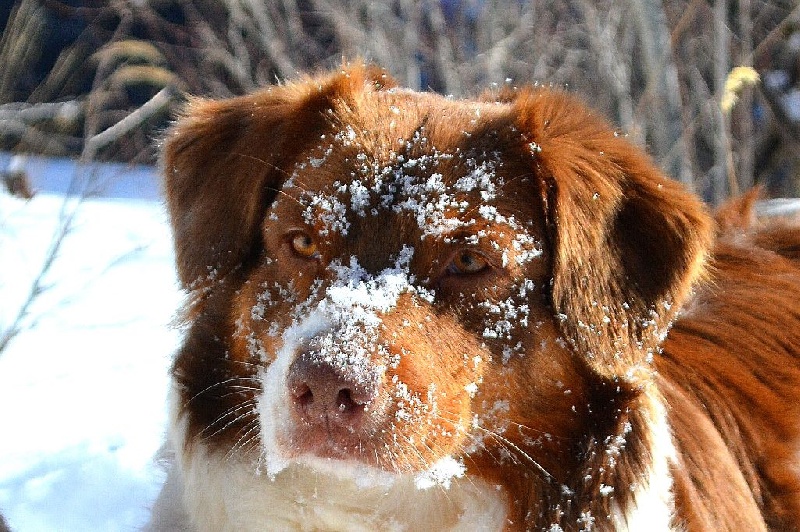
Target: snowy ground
[82,388]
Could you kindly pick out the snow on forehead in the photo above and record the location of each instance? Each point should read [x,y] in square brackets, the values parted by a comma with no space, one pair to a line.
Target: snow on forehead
[437,188]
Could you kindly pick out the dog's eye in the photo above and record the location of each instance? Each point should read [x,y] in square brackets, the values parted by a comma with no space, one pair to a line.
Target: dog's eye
[466,262]
[304,246]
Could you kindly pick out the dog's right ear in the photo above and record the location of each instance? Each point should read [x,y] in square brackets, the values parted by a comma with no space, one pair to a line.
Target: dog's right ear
[225,161]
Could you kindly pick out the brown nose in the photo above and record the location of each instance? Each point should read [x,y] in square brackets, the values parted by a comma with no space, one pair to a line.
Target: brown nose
[330,391]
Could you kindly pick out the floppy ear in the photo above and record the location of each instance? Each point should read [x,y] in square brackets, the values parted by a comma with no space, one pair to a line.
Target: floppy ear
[628,243]
[225,161]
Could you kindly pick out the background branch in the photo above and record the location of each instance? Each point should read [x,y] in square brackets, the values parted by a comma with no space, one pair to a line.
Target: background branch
[652,66]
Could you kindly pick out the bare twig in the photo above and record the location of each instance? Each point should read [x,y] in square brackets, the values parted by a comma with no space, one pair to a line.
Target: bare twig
[38,285]
[34,112]
[648,64]
[127,124]
[744,121]
[721,176]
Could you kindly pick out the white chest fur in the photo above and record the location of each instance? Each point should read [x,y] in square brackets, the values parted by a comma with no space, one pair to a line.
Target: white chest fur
[222,494]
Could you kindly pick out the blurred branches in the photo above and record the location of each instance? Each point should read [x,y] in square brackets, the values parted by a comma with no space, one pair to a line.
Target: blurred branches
[657,68]
[81,187]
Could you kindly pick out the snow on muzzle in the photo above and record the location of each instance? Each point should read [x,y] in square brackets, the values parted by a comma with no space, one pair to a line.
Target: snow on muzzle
[322,393]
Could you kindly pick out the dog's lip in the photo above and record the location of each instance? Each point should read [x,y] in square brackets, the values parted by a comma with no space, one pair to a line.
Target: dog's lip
[329,444]
[326,432]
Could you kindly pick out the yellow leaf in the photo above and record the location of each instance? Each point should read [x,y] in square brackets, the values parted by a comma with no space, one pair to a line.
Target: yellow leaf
[738,78]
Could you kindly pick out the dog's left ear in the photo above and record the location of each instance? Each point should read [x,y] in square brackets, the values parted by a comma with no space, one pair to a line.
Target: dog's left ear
[628,243]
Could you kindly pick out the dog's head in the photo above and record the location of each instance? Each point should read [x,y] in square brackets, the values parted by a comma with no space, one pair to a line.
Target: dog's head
[396,279]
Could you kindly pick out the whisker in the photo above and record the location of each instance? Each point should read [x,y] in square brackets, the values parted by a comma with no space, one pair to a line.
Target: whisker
[295,181]
[425,463]
[247,364]
[406,463]
[287,195]
[248,438]
[508,444]
[239,389]
[233,411]
[512,446]
[213,386]
[263,162]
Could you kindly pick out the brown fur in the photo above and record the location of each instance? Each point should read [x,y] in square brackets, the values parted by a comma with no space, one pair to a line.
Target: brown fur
[624,250]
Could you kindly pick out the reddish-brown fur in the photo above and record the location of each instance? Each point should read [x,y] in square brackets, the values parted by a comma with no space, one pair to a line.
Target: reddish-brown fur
[729,371]
[626,251]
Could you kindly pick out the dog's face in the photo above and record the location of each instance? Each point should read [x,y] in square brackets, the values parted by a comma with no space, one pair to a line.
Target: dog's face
[401,282]
[396,276]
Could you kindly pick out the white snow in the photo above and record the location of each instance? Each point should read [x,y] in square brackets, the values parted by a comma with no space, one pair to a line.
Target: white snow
[440,474]
[83,386]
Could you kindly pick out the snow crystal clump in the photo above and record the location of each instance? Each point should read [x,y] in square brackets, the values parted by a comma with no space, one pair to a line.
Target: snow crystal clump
[330,211]
[355,290]
[440,474]
[359,197]
[526,247]
[482,178]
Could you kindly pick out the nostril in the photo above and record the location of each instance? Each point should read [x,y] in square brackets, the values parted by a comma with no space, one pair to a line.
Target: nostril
[303,395]
[322,392]
[345,403]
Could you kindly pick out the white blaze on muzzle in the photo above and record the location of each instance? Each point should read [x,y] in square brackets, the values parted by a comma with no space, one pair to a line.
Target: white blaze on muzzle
[341,330]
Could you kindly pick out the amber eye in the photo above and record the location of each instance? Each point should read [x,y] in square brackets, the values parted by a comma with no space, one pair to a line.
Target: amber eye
[466,262]
[304,245]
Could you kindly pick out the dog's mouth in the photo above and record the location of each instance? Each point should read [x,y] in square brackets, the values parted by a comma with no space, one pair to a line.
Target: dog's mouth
[348,409]
[357,435]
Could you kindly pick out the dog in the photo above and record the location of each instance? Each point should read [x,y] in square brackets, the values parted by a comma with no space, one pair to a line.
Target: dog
[413,312]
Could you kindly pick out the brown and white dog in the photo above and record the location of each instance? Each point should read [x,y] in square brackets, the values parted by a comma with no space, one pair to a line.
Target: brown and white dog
[410,312]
